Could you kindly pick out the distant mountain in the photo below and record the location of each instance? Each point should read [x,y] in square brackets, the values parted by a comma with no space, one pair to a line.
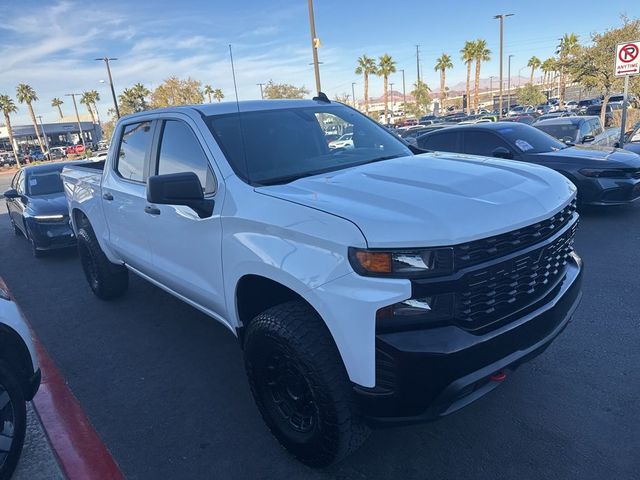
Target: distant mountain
[486,83]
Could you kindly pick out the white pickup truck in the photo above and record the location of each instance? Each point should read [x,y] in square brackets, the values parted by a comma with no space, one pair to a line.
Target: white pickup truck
[367,285]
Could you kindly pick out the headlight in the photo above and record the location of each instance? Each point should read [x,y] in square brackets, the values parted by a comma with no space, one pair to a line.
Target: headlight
[49,218]
[592,172]
[427,262]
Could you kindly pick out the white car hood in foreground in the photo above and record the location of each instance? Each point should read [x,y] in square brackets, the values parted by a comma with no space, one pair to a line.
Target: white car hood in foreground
[433,199]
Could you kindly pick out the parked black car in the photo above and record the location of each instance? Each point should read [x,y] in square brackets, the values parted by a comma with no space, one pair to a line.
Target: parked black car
[584,104]
[574,130]
[603,175]
[38,208]
[608,115]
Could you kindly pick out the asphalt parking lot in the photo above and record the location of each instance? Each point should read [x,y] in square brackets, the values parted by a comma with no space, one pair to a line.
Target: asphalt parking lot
[164,385]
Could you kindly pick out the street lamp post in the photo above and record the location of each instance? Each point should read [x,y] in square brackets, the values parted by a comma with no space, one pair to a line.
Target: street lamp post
[391,91]
[501,17]
[353,94]
[315,43]
[75,106]
[404,91]
[509,84]
[261,93]
[46,140]
[106,61]
[520,70]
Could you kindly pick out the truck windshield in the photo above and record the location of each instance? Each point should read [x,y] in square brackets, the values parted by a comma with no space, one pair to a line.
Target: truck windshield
[269,147]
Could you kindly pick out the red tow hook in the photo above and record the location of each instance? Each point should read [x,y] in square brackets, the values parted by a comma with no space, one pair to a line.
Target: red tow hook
[498,376]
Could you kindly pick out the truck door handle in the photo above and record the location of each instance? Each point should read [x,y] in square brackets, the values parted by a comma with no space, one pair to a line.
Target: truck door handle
[151,210]
[107,196]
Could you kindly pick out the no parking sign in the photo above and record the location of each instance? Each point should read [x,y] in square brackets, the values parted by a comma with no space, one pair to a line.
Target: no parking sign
[627,59]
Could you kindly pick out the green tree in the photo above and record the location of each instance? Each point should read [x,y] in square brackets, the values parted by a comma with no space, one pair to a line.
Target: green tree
[530,94]
[218,95]
[174,91]
[283,90]
[534,62]
[421,94]
[567,49]
[208,90]
[8,107]
[86,99]
[442,64]
[26,94]
[594,66]
[366,66]
[468,55]
[483,54]
[386,66]
[134,99]
[56,103]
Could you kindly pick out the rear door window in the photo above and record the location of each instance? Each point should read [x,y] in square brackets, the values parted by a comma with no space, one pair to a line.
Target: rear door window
[441,142]
[133,149]
[180,151]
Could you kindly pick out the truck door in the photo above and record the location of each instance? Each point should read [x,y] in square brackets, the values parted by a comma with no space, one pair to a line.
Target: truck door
[186,249]
[124,195]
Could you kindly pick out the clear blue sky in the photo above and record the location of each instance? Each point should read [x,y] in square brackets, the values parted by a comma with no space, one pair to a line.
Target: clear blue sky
[51,45]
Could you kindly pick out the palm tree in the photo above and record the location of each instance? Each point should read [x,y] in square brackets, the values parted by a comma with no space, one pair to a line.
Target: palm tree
[55,103]
[366,66]
[534,62]
[85,99]
[386,66]
[8,107]
[468,54]
[567,48]
[218,95]
[483,54]
[548,67]
[26,94]
[208,90]
[95,97]
[442,64]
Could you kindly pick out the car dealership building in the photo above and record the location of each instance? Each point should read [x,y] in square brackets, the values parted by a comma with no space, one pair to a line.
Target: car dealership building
[58,134]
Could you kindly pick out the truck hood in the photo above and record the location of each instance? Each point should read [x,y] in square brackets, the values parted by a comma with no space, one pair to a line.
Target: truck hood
[432,199]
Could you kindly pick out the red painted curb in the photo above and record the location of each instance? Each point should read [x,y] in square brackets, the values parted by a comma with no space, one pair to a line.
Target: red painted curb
[81,454]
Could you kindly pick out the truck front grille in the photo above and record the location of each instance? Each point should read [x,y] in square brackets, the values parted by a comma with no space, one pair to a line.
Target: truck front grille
[493,293]
[478,251]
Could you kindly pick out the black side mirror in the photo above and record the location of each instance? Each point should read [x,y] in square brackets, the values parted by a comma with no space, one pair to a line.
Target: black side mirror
[588,138]
[179,189]
[11,193]
[502,152]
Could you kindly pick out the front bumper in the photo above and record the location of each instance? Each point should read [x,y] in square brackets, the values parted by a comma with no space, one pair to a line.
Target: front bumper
[609,191]
[426,374]
[51,235]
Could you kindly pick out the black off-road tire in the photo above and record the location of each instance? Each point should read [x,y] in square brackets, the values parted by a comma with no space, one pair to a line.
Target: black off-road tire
[17,405]
[107,280]
[293,331]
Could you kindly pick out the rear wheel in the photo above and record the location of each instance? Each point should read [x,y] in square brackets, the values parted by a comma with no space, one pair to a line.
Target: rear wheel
[13,420]
[107,280]
[300,385]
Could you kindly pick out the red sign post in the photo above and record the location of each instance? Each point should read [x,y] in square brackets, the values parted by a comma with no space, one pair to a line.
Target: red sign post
[627,63]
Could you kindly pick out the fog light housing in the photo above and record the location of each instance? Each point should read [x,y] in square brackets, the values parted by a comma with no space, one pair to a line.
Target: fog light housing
[416,313]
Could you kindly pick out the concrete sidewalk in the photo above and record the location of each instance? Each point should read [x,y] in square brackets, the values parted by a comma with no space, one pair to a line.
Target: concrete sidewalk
[38,461]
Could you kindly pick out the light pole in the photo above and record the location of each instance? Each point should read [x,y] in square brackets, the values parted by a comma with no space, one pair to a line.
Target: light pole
[353,94]
[261,93]
[315,43]
[501,17]
[106,61]
[46,140]
[391,88]
[75,106]
[509,85]
[520,70]
[404,91]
